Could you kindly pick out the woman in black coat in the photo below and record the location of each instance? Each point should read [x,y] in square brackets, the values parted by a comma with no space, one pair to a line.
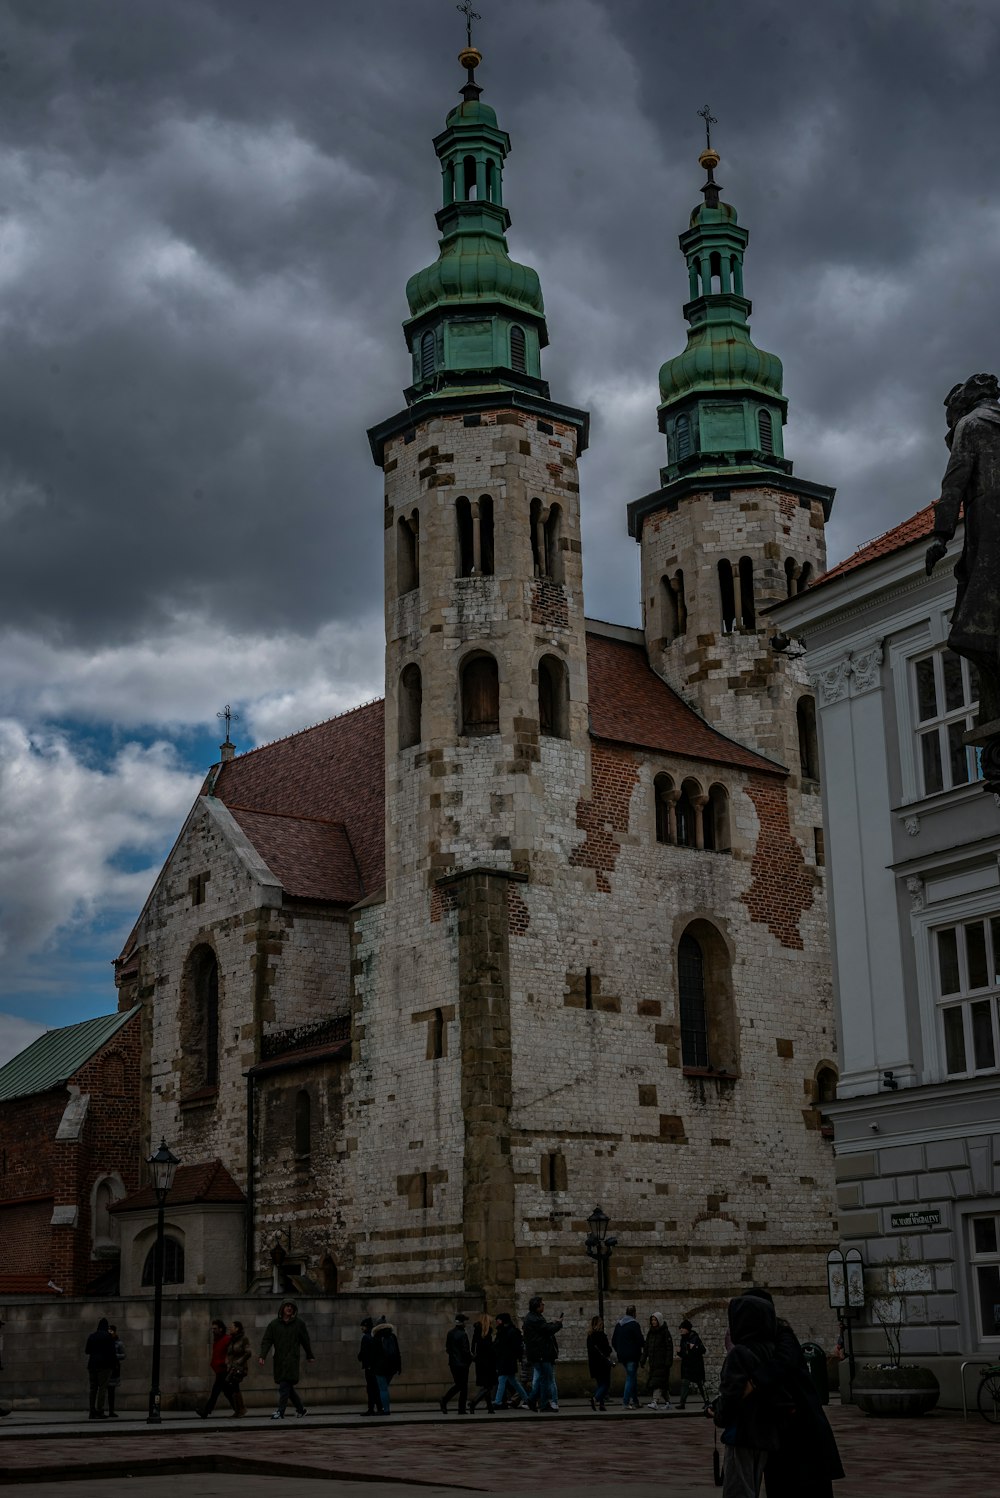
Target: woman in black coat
[484,1356]
[599,1362]
[509,1346]
[657,1357]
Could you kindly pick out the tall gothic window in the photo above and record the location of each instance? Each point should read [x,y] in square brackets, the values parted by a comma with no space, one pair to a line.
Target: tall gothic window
[805,717]
[407,553]
[410,706]
[727,596]
[480,692]
[200,1020]
[553,697]
[709,1029]
[749,612]
[663,791]
[691,992]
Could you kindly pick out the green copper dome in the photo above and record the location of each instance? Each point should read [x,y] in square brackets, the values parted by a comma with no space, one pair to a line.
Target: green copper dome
[474,266]
[721,401]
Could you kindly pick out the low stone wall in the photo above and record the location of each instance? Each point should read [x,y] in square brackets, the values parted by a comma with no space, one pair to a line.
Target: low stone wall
[44,1364]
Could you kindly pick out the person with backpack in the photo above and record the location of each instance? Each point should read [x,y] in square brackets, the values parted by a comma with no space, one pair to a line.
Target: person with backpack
[484,1357]
[289,1338]
[459,1354]
[627,1343]
[386,1359]
[599,1361]
[509,1352]
[745,1414]
[692,1354]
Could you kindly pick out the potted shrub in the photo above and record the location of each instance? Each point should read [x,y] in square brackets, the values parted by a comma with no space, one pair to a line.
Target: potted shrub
[894,1387]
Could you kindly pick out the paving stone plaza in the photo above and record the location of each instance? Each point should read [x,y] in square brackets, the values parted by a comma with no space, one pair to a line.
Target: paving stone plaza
[573,1454]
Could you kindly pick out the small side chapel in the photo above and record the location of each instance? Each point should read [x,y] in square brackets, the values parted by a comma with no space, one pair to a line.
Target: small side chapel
[546,928]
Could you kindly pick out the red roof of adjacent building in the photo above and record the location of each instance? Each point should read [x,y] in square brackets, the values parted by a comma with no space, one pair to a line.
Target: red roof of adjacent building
[630,704]
[209,1182]
[917,528]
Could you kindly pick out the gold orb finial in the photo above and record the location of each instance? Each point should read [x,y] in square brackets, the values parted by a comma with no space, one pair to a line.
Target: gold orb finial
[470,57]
[709,159]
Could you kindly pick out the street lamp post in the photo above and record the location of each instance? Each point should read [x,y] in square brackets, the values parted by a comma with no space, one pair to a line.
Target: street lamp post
[599,1247]
[162,1166]
[845,1278]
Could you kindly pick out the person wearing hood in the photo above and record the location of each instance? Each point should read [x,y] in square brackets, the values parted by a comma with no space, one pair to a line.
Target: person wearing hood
[807,1461]
[366,1353]
[745,1414]
[692,1355]
[101,1353]
[627,1343]
[289,1338]
[386,1359]
[657,1358]
[459,1354]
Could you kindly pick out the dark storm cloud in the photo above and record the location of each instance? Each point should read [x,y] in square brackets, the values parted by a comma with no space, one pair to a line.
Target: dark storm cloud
[208,213]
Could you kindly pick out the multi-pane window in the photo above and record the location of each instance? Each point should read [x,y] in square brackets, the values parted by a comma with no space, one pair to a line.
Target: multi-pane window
[945,699]
[968,986]
[986,1272]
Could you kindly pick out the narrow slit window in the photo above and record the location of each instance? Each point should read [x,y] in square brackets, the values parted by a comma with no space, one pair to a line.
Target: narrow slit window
[427,360]
[518,351]
[766,432]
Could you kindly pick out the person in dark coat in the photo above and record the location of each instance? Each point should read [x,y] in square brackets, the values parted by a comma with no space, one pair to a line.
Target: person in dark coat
[807,1461]
[220,1385]
[484,1357]
[599,1362]
[116,1373]
[542,1350]
[459,1353]
[102,1361]
[238,1355]
[692,1355]
[289,1338]
[627,1343]
[365,1354]
[509,1351]
[386,1359]
[657,1358]
[744,1413]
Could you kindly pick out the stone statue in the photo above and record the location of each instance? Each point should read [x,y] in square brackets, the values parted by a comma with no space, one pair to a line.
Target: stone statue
[972,482]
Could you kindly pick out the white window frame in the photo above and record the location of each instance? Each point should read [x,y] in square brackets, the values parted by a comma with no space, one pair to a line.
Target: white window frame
[941,722]
[976,1261]
[967,996]
[924,925]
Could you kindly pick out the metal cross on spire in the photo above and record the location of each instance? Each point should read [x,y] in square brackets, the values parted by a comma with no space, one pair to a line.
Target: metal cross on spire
[710,120]
[228,716]
[470,16]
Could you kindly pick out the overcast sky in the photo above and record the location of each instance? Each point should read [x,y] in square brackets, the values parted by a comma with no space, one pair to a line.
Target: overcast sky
[208,214]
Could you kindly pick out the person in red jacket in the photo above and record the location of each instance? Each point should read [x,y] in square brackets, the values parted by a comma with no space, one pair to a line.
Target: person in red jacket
[220,1346]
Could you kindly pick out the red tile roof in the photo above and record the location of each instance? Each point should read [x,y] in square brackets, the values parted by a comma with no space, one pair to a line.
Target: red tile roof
[630,704]
[208,1182]
[312,858]
[328,776]
[917,528]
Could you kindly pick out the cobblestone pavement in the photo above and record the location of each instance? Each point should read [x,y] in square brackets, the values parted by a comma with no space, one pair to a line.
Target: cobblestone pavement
[573,1455]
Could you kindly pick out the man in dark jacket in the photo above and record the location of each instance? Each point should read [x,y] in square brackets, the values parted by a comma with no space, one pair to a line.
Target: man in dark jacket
[288,1336]
[510,1347]
[386,1359]
[365,1354]
[459,1353]
[627,1342]
[692,1353]
[541,1349]
[745,1414]
[102,1360]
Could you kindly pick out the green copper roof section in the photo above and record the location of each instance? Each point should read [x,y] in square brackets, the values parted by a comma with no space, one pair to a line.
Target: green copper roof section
[721,400]
[476,315]
[55,1056]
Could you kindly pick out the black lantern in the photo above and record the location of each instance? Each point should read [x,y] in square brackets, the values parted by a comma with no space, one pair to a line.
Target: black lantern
[161,1167]
[599,1247]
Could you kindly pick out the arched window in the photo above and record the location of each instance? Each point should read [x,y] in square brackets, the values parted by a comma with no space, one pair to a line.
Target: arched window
[485,558]
[715,815]
[686,815]
[480,696]
[805,576]
[682,432]
[805,717]
[407,553]
[103,1222]
[553,544]
[727,596]
[464,537]
[173,1263]
[410,706]
[200,1020]
[663,797]
[518,350]
[427,359]
[766,431]
[709,1033]
[537,538]
[553,697]
[303,1124]
[715,270]
[825,1085]
[747,607]
[328,1275]
[491,182]
[791,574]
[470,178]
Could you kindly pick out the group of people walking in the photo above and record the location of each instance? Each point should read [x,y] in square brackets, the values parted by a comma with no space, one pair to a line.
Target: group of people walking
[652,1350]
[501,1354]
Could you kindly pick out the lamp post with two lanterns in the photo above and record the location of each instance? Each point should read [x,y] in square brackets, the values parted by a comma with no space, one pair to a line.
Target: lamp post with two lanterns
[845,1278]
[162,1166]
[599,1247]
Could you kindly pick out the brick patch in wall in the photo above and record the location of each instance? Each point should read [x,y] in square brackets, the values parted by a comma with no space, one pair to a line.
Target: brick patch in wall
[782,888]
[518,914]
[442,901]
[548,604]
[615,775]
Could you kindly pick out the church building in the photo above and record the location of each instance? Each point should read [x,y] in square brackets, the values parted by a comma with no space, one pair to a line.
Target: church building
[546,928]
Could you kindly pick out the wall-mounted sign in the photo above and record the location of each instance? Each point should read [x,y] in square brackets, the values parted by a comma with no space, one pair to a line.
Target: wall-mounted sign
[929,1219]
